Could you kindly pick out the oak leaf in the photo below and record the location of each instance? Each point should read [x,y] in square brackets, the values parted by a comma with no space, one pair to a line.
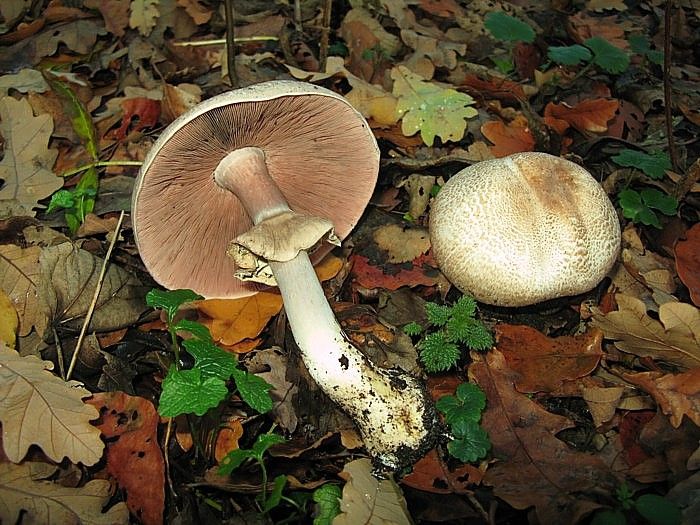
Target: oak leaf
[38,408]
[144,14]
[687,254]
[26,167]
[588,115]
[533,467]
[421,271]
[675,338]
[516,137]
[19,275]
[53,504]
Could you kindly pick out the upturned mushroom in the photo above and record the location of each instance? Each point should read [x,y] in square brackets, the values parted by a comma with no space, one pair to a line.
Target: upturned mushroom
[523,229]
[275,166]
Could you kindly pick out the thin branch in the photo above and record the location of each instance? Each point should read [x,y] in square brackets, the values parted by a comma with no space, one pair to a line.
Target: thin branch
[230,43]
[325,34]
[93,304]
[672,153]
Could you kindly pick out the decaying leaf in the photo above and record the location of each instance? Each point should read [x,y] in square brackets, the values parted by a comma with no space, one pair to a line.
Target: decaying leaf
[422,271]
[676,394]
[530,467]
[38,408]
[402,244]
[144,14]
[513,138]
[50,503]
[26,166]
[687,254]
[134,458]
[419,188]
[368,500]
[588,115]
[270,364]
[675,338]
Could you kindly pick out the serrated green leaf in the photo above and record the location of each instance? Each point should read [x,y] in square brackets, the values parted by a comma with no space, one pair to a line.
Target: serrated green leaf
[210,359]
[412,329]
[464,308]
[654,165]
[507,28]
[188,392]
[640,44]
[170,300]
[606,56]
[472,442]
[438,354]
[275,496]
[327,497]
[198,330]
[60,200]
[468,403]
[233,460]
[429,108]
[658,510]
[634,208]
[471,395]
[658,200]
[569,55]
[264,442]
[438,314]
[254,390]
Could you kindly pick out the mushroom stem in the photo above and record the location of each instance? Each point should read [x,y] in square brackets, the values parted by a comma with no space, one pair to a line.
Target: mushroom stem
[391,408]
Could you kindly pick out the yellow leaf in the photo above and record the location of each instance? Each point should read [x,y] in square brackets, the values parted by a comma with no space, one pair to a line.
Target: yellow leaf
[328,268]
[232,320]
[8,320]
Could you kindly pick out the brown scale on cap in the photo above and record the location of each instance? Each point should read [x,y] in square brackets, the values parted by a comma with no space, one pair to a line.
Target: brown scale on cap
[524,229]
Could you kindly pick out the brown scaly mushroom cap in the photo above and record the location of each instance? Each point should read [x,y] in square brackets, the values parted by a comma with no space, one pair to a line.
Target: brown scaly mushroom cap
[318,149]
[523,229]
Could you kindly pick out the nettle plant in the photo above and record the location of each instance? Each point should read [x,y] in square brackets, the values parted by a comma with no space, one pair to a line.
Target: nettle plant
[198,389]
[449,329]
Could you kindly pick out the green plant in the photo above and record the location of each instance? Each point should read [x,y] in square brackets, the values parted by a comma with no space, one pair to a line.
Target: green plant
[204,386]
[462,414]
[510,30]
[641,206]
[652,508]
[596,51]
[237,457]
[327,498]
[456,325]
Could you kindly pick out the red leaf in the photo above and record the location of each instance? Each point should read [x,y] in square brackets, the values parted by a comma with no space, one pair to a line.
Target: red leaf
[422,271]
[687,254]
[139,113]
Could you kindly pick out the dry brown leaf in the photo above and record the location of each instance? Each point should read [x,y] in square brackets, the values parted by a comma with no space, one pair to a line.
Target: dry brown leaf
[544,364]
[49,503]
[419,188]
[38,408]
[199,13]
[402,244]
[514,138]
[8,320]
[134,458]
[271,365]
[232,320]
[602,402]
[588,115]
[676,394]
[675,339]
[114,12]
[533,467]
[19,269]
[26,166]
[368,500]
[687,254]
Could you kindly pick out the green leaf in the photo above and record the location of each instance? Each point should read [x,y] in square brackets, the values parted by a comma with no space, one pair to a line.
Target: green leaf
[437,353]
[233,460]
[471,396]
[438,314]
[60,200]
[654,165]
[170,300]
[472,442]
[80,117]
[412,329]
[640,44]
[569,55]
[264,442]
[254,390]
[198,330]
[327,497]
[507,28]
[429,108]
[634,208]
[464,308]
[275,496]
[606,56]
[468,403]
[210,359]
[659,201]
[187,392]
[657,510]
[609,517]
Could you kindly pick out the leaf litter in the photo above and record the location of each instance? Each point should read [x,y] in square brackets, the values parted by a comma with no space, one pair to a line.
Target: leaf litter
[581,399]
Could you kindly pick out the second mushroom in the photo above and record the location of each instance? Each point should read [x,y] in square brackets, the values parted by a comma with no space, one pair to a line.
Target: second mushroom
[280,167]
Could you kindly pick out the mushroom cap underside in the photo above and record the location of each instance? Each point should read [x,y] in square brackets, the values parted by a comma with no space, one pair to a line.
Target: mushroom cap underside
[524,229]
[318,149]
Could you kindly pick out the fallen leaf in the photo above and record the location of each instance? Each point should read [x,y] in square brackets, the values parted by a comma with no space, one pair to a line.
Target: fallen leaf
[24,498]
[495,87]
[271,365]
[431,474]
[675,338]
[199,13]
[139,113]
[19,268]
[533,466]
[8,320]
[232,320]
[583,26]
[420,271]
[134,458]
[79,36]
[27,80]
[230,431]
[676,394]
[588,115]
[143,15]
[602,402]
[178,99]
[687,254]
[514,138]
[368,500]
[38,408]
[401,243]
[544,364]
[115,14]
[26,166]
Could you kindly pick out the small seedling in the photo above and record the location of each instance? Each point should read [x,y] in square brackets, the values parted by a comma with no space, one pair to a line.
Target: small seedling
[456,325]
[510,30]
[652,508]
[327,498]
[462,414]
[596,51]
[204,386]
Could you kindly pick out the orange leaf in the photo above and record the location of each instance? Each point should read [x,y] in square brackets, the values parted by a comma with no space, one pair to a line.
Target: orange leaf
[133,455]
[507,140]
[228,437]
[544,364]
[328,268]
[139,113]
[676,394]
[232,320]
[394,276]
[588,115]
[687,254]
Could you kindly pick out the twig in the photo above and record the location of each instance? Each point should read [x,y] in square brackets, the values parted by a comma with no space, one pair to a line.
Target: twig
[222,41]
[672,153]
[297,17]
[101,164]
[93,304]
[230,44]
[166,456]
[325,34]
[59,354]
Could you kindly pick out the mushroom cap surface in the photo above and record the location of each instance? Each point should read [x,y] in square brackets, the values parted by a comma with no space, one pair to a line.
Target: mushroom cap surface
[318,149]
[523,229]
